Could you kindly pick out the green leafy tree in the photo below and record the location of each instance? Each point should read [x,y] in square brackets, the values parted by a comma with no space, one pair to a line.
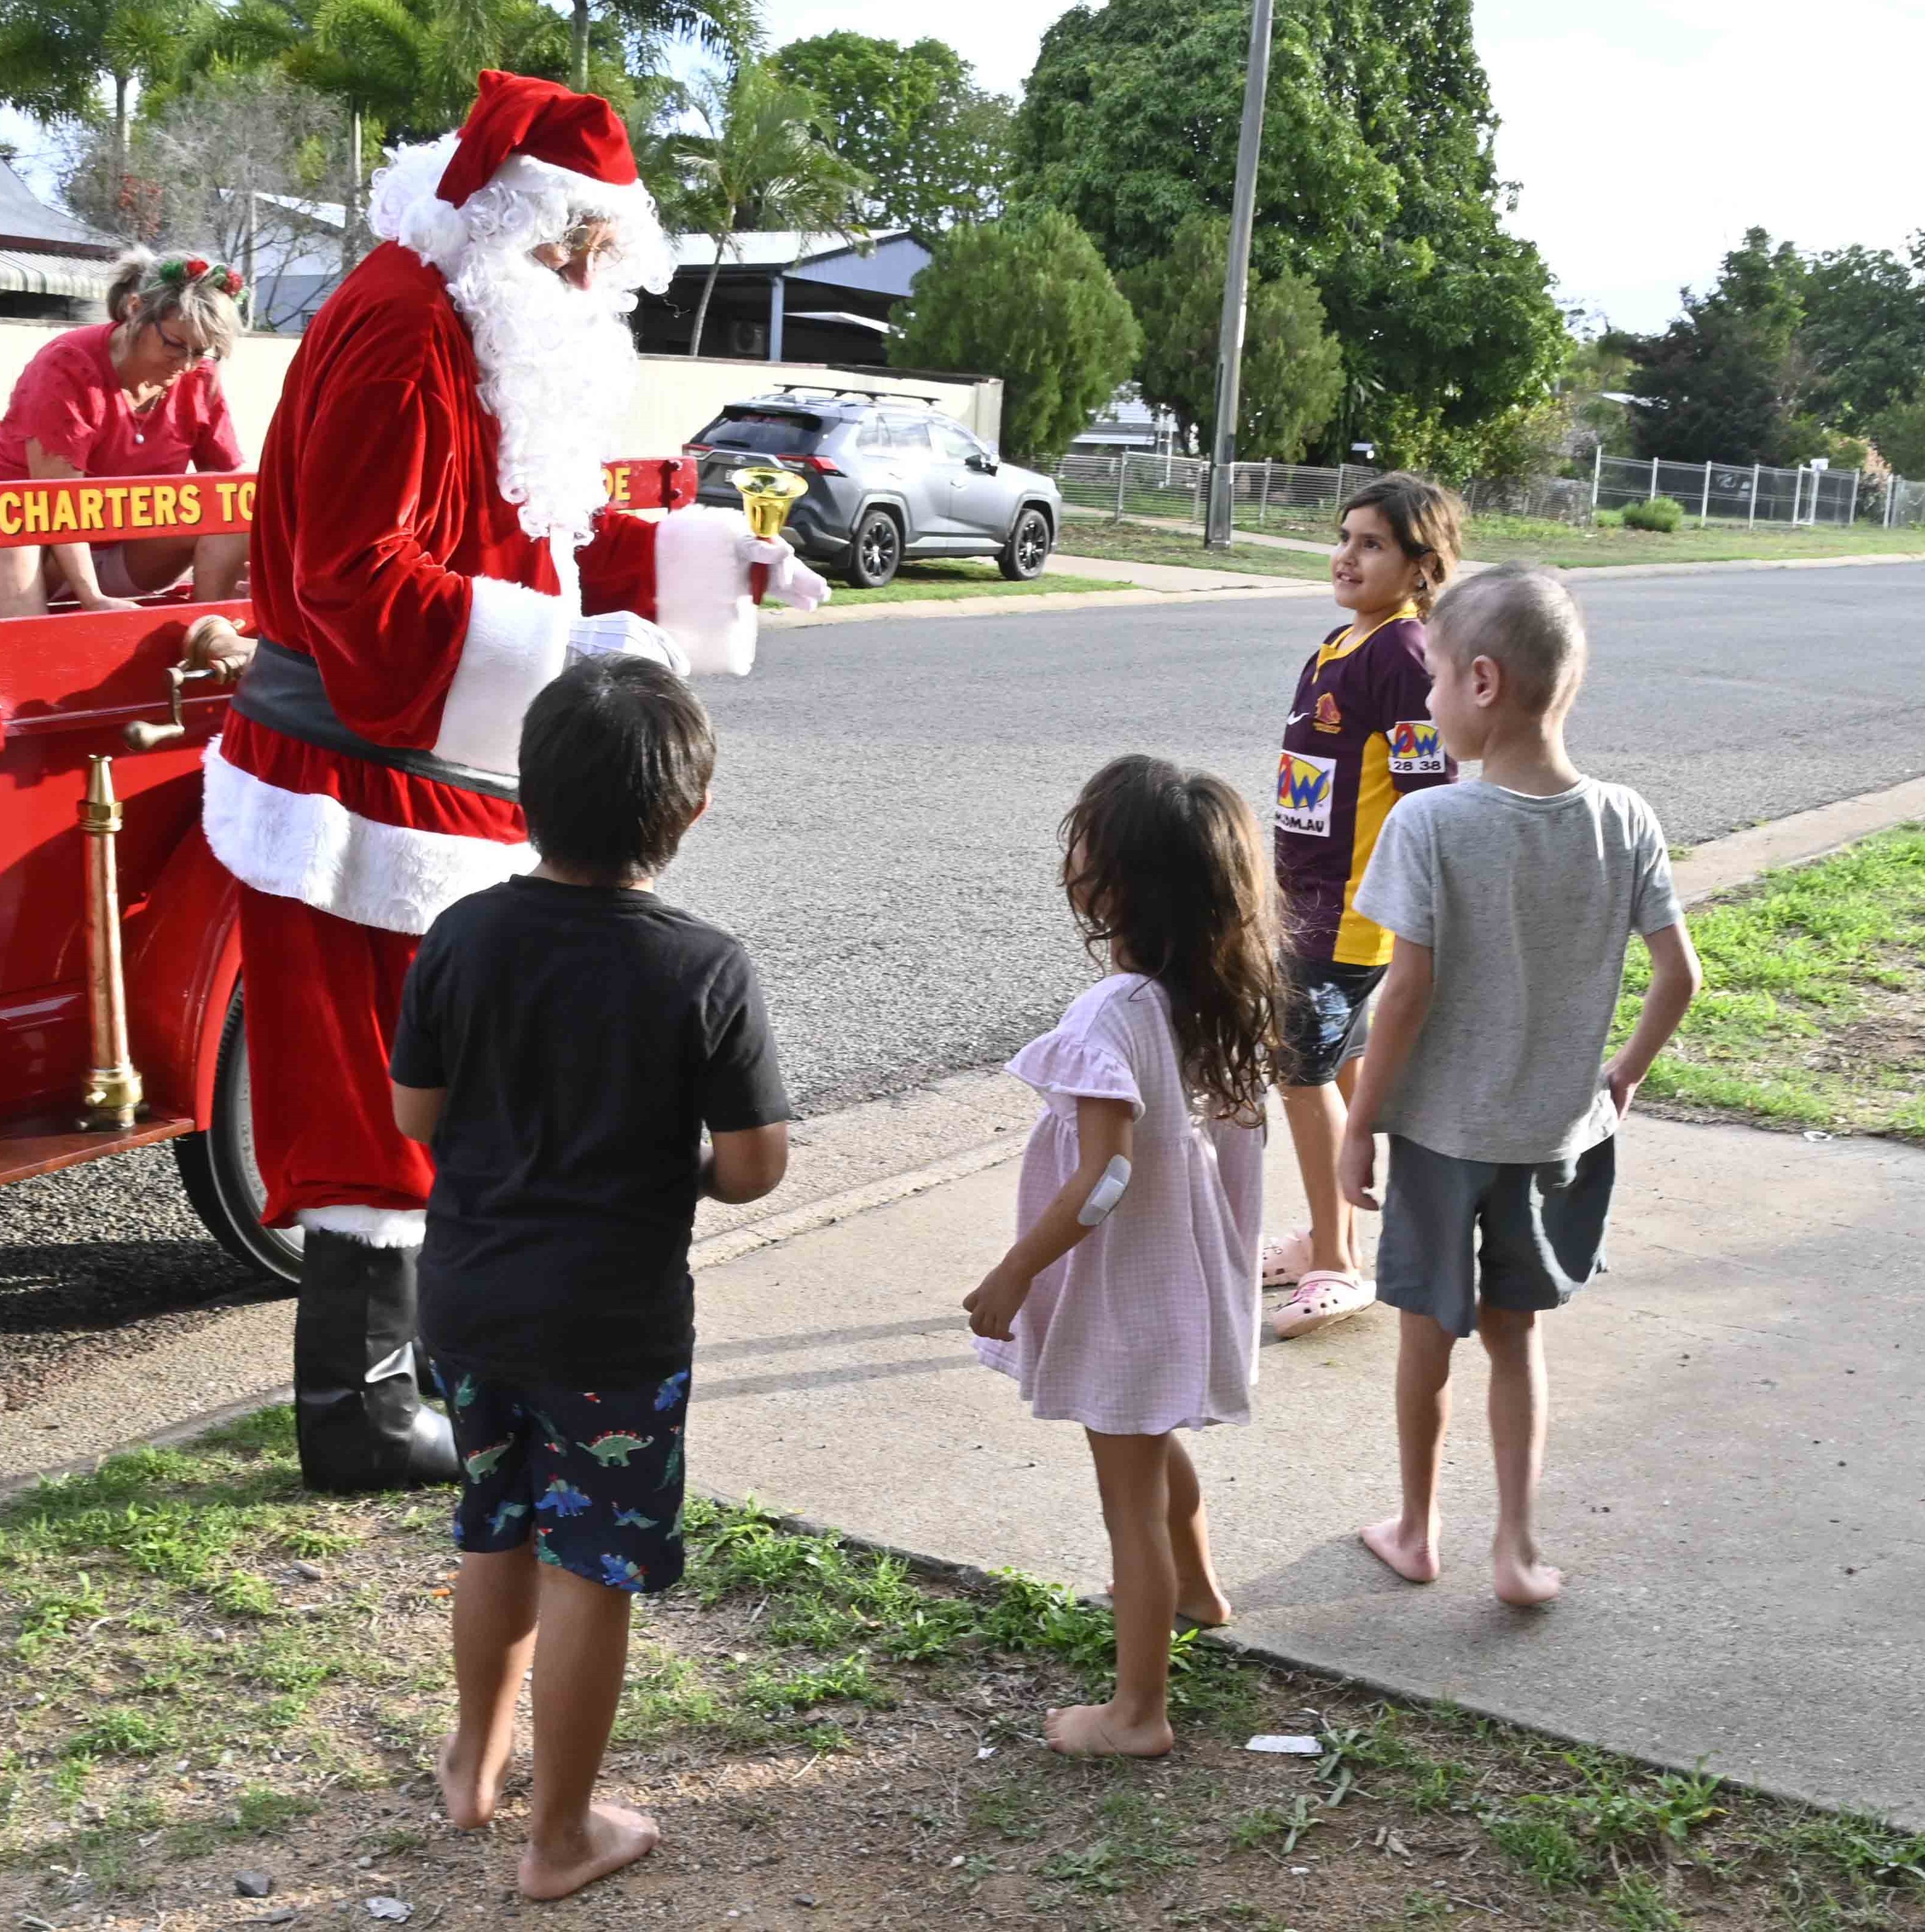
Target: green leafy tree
[1862,340]
[935,147]
[1376,182]
[59,57]
[728,29]
[1292,374]
[1722,382]
[1899,431]
[1026,297]
[765,162]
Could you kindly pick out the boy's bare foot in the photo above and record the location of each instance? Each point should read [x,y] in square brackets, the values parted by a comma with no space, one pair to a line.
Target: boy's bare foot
[611,1837]
[1521,1578]
[466,1800]
[1095,1730]
[1413,1557]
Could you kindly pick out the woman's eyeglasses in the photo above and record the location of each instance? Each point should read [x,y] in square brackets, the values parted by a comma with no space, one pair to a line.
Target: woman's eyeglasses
[188,352]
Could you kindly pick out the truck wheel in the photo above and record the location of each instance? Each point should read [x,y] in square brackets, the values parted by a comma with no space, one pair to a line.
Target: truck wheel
[1027,550]
[218,1172]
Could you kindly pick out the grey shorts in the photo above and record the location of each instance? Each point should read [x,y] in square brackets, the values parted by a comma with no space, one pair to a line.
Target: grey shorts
[1457,1232]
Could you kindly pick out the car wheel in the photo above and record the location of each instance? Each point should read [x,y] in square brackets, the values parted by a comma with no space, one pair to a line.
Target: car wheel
[877,552]
[219,1174]
[1027,550]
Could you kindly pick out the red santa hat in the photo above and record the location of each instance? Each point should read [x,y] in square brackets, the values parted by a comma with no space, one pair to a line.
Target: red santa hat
[533,137]
[576,135]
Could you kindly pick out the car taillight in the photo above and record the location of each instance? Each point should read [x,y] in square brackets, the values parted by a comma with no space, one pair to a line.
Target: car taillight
[822,466]
[697,449]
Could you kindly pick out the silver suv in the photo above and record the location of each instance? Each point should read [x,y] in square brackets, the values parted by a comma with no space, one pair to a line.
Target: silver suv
[889,477]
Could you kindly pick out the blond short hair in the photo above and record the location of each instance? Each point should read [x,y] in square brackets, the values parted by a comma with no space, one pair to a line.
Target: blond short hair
[1526,623]
[167,293]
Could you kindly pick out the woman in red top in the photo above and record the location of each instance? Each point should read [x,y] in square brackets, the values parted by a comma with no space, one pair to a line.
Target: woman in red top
[138,396]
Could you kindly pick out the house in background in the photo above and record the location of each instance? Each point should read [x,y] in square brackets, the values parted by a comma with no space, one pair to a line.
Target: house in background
[53,267]
[1127,426]
[783,297]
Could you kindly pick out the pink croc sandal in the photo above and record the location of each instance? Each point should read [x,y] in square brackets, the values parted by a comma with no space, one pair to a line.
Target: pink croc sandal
[1323,1296]
[1287,1260]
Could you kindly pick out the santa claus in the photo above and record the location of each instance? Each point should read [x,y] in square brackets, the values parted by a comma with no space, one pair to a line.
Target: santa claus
[431,546]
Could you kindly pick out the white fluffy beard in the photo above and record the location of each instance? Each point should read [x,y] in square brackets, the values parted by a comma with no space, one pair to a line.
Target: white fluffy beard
[558,367]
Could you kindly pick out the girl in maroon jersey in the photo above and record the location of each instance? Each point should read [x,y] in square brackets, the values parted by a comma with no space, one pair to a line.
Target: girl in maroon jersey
[1359,736]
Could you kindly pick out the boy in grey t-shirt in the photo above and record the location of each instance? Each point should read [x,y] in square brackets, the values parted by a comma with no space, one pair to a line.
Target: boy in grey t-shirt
[1512,897]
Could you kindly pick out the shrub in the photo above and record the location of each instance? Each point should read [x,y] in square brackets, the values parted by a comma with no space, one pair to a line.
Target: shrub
[1607,520]
[1660,513]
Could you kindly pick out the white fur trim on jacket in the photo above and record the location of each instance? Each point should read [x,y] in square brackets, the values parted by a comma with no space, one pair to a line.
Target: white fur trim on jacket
[701,589]
[379,1227]
[516,641]
[307,846]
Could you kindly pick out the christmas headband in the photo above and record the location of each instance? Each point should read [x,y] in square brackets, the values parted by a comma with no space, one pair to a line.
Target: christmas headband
[177,271]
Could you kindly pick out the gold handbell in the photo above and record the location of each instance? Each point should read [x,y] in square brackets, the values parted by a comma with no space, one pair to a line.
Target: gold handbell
[768,495]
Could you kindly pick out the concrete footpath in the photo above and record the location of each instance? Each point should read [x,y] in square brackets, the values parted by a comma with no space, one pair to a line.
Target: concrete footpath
[1736,1489]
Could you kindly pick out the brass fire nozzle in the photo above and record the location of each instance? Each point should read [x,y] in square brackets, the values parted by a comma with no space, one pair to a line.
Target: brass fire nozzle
[112,1097]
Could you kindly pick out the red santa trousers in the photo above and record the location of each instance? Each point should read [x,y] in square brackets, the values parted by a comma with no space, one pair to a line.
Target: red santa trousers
[323,997]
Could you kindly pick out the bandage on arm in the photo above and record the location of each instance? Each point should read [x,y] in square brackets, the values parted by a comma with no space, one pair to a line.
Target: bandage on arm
[1107,1192]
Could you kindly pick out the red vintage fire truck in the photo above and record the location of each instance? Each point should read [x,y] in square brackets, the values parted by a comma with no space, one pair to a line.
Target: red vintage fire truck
[120,955]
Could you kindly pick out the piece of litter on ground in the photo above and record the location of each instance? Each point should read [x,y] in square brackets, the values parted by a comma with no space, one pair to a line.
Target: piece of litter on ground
[1813,1134]
[984,1751]
[396,1910]
[955,1862]
[1286,1747]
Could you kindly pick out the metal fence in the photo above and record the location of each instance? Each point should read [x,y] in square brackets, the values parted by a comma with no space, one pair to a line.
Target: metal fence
[1732,493]
[1300,495]
[1273,496]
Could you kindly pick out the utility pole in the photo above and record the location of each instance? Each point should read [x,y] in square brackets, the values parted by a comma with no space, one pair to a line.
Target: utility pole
[1217,530]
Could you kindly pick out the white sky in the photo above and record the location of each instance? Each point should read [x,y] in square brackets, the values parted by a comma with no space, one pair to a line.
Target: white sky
[1647,135]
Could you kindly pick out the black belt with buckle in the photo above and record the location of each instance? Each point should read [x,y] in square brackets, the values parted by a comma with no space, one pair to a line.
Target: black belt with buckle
[282,689]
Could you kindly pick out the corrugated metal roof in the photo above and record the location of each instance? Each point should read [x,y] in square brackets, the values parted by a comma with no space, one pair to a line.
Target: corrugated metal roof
[25,217]
[767,247]
[80,276]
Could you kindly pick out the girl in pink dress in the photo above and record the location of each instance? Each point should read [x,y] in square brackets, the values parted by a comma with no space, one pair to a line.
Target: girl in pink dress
[1133,1310]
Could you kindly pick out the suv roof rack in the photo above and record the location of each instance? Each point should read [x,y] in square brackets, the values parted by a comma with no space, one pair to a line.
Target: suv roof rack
[869,395]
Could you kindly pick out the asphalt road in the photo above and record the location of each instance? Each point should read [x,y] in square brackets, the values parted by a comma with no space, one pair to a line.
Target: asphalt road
[883,838]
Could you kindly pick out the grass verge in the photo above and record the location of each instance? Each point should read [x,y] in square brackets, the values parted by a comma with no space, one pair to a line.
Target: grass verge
[819,1730]
[943,582]
[1570,547]
[1813,1011]
[1149,543]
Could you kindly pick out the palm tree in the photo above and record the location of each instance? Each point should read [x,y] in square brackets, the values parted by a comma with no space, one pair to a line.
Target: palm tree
[766,163]
[729,29]
[55,54]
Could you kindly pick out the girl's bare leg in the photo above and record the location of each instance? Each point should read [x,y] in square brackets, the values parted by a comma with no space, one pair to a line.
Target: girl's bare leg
[1520,1412]
[1199,1596]
[1408,1541]
[495,1601]
[157,563]
[579,1661]
[1133,1477]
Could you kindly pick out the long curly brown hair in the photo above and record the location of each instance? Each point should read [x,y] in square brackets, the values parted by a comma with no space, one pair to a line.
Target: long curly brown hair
[1165,872]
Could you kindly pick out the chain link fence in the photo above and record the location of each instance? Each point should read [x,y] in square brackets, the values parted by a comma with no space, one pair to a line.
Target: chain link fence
[1301,496]
[1729,492]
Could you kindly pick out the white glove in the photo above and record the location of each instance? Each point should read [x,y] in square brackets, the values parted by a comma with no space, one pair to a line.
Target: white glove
[622,631]
[791,580]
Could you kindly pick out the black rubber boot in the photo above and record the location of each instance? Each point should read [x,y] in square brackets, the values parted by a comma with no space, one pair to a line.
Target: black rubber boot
[358,1411]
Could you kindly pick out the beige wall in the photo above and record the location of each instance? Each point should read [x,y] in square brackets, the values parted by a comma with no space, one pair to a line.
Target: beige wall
[677,395]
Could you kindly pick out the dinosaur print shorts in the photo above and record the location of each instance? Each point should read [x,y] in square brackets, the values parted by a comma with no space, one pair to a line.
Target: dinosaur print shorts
[594,1478]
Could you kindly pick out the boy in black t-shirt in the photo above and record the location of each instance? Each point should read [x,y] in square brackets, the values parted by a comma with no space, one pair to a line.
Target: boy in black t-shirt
[564,1040]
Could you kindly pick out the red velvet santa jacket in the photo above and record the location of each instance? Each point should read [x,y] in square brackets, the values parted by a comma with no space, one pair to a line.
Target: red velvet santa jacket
[394,576]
